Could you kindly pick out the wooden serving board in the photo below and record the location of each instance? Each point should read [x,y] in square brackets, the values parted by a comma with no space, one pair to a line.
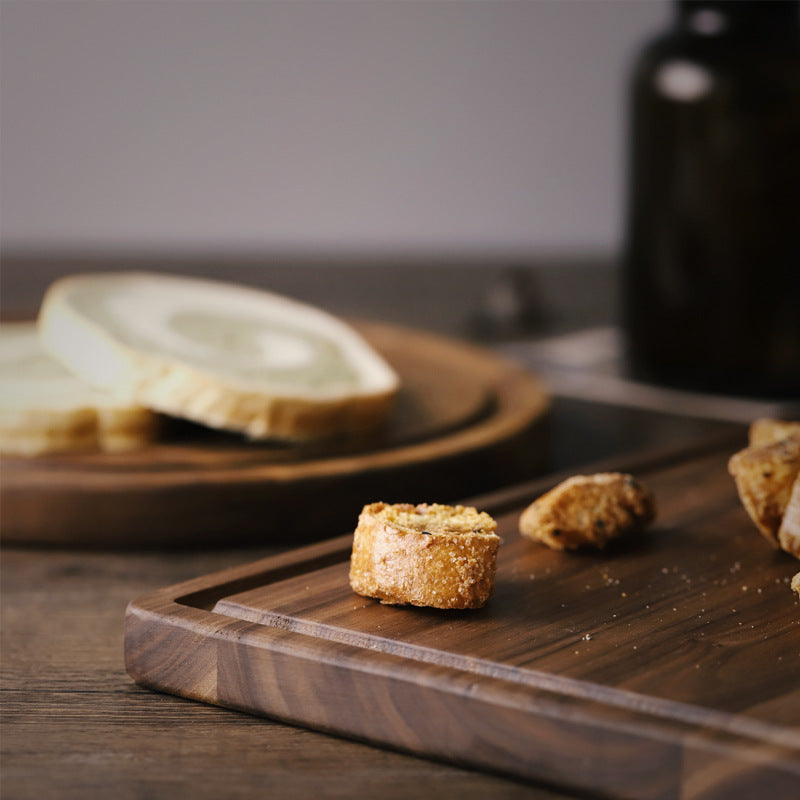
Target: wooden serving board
[665,667]
[464,421]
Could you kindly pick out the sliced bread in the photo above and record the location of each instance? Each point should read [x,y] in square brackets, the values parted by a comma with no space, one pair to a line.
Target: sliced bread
[46,409]
[424,555]
[764,476]
[223,355]
[789,531]
[767,431]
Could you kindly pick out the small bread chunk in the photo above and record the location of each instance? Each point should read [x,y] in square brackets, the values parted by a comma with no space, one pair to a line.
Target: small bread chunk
[796,583]
[424,555]
[588,511]
[767,431]
[789,532]
[764,477]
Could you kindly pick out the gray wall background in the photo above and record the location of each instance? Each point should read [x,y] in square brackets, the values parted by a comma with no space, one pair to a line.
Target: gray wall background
[316,127]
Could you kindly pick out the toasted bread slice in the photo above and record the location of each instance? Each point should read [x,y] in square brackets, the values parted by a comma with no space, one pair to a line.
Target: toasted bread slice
[46,409]
[226,356]
[424,555]
[588,511]
[764,476]
[789,531]
[767,431]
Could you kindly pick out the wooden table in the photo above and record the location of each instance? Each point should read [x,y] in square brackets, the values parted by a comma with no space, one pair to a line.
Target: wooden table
[75,725]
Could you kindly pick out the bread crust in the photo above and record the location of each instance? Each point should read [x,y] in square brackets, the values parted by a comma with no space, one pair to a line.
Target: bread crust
[767,431]
[764,476]
[789,532]
[110,430]
[424,555]
[182,389]
[588,511]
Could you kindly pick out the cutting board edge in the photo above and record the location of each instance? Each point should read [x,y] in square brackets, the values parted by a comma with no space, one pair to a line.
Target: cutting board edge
[224,648]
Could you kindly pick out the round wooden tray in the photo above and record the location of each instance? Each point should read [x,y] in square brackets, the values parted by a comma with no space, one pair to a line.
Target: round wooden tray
[465,422]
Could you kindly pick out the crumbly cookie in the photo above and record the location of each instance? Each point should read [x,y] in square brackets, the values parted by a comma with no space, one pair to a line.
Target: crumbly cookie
[764,476]
[796,583]
[767,431]
[424,555]
[588,511]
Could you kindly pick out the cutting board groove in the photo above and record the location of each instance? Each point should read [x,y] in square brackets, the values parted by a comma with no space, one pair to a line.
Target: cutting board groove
[665,667]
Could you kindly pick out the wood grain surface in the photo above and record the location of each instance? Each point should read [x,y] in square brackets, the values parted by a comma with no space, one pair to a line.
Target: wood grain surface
[465,421]
[665,667]
[75,727]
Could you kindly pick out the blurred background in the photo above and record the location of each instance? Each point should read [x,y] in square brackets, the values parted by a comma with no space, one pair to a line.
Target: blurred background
[457,165]
[485,129]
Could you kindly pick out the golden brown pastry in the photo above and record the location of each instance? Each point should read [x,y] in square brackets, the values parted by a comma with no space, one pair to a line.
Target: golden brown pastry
[424,555]
[588,511]
[765,475]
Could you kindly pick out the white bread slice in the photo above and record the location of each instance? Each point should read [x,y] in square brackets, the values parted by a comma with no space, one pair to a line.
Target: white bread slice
[46,409]
[223,355]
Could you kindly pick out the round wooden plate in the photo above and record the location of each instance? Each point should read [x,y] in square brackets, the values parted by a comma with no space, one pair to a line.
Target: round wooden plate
[465,422]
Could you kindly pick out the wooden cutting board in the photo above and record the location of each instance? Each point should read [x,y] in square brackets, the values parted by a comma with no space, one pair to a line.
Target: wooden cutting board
[666,667]
[465,421]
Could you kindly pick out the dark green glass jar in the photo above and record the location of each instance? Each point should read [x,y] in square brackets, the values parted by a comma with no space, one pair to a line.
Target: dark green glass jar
[712,251]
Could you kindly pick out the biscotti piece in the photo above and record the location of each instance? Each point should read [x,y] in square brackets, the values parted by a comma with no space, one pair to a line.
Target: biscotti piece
[767,431]
[225,356]
[424,555]
[764,477]
[789,532]
[588,511]
[46,409]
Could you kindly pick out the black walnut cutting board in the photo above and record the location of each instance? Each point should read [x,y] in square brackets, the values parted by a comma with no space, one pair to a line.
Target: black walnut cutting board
[665,667]
[464,418]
